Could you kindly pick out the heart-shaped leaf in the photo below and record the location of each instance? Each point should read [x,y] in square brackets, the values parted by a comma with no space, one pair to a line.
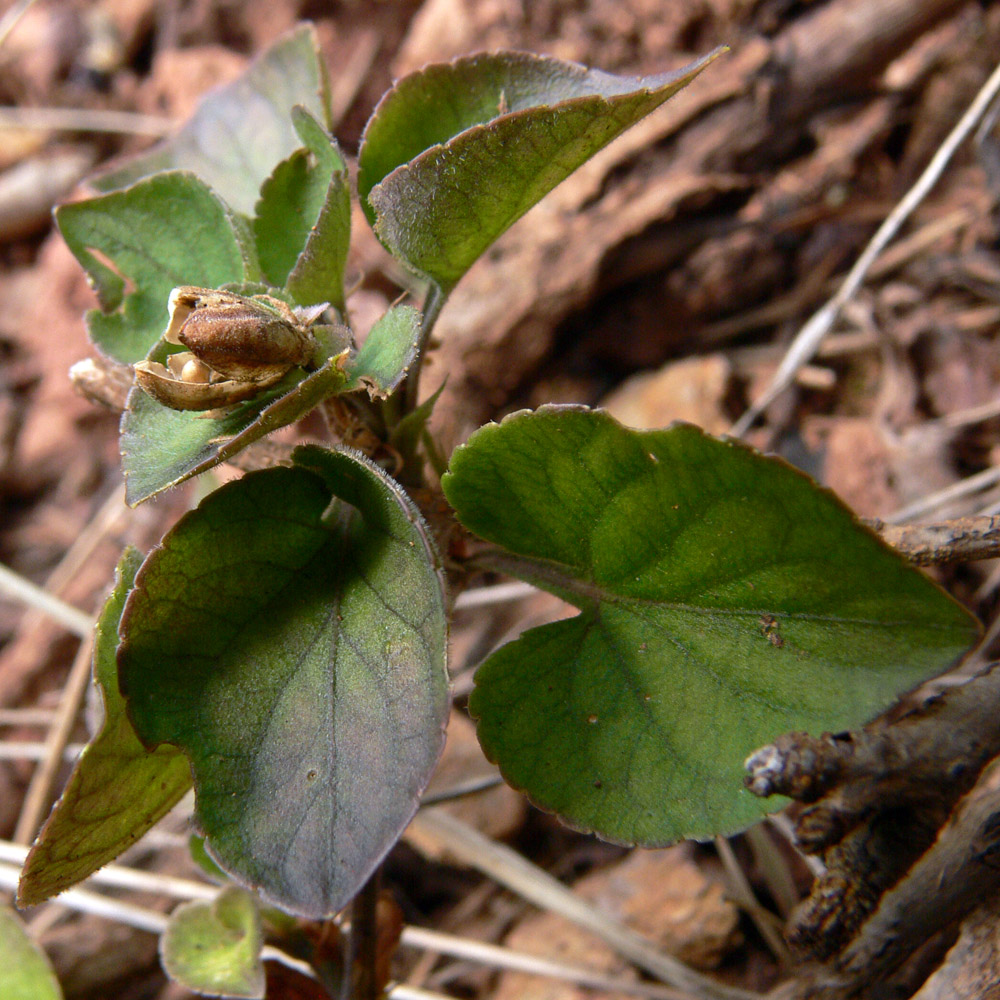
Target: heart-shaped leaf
[389,349]
[118,788]
[457,152]
[27,972]
[163,232]
[724,599]
[240,131]
[214,947]
[293,646]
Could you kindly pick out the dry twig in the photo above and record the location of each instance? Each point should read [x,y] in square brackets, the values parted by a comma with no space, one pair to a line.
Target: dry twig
[808,339]
[539,887]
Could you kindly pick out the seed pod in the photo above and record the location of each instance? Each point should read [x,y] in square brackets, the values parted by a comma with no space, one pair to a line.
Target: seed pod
[245,338]
[237,346]
[176,385]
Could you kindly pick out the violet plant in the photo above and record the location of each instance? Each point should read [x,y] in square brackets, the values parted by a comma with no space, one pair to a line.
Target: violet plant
[284,646]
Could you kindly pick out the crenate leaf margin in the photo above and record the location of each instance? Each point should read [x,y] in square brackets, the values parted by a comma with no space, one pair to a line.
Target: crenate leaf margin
[708,578]
[278,558]
[168,230]
[239,131]
[457,152]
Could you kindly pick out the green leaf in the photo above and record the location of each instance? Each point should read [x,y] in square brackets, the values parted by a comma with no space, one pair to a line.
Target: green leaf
[27,972]
[284,214]
[163,232]
[303,221]
[118,789]
[161,447]
[457,152]
[389,349]
[318,272]
[294,648]
[724,599]
[240,131]
[214,947]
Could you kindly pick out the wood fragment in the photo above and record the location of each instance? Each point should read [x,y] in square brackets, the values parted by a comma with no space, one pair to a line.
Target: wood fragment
[957,874]
[808,339]
[962,539]
[876,801]
[609,222]
[971,969]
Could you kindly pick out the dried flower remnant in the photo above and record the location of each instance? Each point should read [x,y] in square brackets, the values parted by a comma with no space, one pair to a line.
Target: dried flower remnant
[238,346]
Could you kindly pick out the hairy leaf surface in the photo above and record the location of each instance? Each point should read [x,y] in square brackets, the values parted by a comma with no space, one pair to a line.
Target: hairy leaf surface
[161,447]
[724,599]
[213,947]
[293,645]
[388,351]
[163,232]
[317,274]
[303,221]
[457,152]
[27,973]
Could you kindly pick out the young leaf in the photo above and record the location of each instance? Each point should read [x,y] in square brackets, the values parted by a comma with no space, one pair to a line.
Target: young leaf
[293,646]
[118,788]
[412,431]
[318,274]
[214,947]
[240,131]
[27,973]
[724,599]
[285,212]
[303,221]
[457,152]
[389,349]
[166,231]
[161,447]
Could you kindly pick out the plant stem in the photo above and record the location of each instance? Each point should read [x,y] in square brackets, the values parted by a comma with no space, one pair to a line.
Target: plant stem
[433,305]
[360,975]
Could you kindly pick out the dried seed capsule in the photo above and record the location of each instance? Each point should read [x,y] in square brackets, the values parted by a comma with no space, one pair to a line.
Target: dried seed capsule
[179,390]
[237,346]
[246,338]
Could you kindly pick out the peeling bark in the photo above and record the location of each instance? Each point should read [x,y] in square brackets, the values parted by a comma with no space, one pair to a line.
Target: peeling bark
[662,193]
[906,816]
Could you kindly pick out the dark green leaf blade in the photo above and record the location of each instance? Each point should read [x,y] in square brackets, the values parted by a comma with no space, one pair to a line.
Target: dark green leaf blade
[161,447]
[214,947]
[294,650]
[240,131]
[724,598]
[166,231]
[118,789]
[387,353]
[456,153]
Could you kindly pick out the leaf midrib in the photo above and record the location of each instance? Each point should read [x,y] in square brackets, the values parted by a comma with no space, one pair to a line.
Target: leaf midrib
[561,580]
